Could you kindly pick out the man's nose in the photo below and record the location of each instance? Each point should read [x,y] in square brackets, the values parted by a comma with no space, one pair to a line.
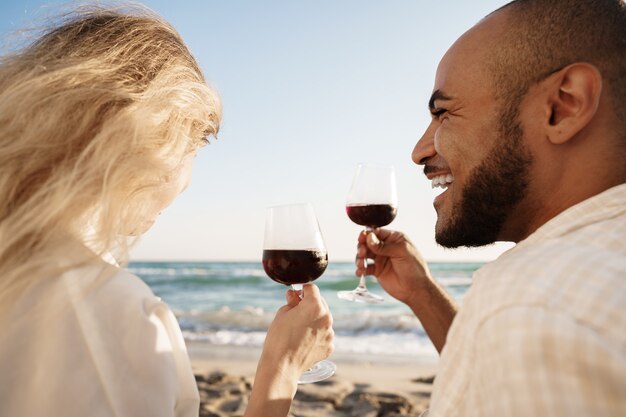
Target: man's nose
[425,147]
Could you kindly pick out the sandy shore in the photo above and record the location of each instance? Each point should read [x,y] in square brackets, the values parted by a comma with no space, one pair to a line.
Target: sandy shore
[364,385]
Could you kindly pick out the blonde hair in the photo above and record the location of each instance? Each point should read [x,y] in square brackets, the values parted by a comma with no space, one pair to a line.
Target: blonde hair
[95,116]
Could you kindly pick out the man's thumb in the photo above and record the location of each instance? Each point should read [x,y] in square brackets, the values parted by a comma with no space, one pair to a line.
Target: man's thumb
[376,245]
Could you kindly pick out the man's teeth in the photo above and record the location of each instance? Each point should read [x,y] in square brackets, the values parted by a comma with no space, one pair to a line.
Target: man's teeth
[442,181]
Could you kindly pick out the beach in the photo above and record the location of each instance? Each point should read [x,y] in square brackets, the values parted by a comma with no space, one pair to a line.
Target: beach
[365,385]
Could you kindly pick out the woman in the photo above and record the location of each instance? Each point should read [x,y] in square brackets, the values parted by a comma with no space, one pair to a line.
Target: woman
[100,119]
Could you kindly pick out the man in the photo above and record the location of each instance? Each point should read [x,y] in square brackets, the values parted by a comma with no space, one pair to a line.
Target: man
[528,134]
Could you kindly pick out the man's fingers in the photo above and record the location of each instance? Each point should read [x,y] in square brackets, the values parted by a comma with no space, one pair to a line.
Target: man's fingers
[382,234]
[371,270]
[377,245]
[361,269]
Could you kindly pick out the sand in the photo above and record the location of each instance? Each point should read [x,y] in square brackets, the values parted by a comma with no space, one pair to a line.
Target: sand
[364,385]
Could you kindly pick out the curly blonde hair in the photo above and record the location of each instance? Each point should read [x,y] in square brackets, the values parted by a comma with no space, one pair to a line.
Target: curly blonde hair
[95,116]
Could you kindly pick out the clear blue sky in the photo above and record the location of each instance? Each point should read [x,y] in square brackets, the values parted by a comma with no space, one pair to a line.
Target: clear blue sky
[310,89]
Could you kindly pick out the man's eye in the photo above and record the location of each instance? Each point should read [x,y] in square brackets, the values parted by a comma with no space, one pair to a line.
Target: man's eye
[438,112]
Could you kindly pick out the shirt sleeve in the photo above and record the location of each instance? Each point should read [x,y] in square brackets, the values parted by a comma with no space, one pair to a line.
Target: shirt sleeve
[533,361]
[187,402]
[136,353]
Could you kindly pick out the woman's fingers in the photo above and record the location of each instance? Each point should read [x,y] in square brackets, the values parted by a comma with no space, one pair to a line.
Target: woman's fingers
[293,299]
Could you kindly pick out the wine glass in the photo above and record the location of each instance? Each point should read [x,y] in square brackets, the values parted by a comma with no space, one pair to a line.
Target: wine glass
[372,202]
[294,254]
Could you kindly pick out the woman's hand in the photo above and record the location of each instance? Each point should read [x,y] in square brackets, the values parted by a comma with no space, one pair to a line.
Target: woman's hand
[300,335]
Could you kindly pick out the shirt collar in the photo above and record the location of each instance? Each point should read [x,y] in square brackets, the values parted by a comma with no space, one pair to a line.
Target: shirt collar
[89,240]
[609,203]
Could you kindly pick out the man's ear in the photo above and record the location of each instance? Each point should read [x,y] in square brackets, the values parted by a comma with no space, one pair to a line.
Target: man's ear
[573,99]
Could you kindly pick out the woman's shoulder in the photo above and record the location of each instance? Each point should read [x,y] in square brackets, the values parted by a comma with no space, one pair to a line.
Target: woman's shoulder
[117,335]
[108,287]
[79,269]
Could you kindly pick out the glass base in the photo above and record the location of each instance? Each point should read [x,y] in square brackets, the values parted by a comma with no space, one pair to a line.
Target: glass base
[360,296]
[319,372]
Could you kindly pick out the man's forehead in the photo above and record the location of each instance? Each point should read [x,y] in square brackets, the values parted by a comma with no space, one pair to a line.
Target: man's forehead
[480,39]
[465,61]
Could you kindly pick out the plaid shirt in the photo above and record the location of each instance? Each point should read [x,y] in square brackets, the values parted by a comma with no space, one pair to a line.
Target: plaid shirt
[542,331]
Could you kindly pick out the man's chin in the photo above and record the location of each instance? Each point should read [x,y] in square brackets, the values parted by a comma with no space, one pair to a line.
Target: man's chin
[454,237]
[444,237]
[452,243]
[446,243]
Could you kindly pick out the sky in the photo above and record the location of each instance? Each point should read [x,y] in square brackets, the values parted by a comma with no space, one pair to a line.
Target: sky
[309,89]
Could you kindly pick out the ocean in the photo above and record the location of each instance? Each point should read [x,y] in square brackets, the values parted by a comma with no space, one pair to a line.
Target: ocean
[232,303]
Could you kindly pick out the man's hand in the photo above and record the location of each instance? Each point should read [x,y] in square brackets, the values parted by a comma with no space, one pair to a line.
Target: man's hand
[399,267]
[403,274]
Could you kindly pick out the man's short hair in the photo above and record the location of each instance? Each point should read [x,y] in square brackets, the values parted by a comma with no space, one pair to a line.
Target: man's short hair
[545,36]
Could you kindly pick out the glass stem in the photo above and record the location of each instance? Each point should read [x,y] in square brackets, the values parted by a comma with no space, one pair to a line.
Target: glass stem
[362,286]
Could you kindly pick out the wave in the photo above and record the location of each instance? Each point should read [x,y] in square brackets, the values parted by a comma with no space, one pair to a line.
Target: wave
[368,335]
[252,318]
[380,343]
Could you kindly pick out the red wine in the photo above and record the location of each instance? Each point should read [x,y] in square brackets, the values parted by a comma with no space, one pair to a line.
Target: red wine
[294,266]
[372,215]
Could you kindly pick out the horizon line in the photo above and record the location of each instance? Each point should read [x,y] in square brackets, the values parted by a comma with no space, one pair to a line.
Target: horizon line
[466,261]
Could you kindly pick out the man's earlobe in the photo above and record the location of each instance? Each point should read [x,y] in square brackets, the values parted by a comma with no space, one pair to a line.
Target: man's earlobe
[573,101]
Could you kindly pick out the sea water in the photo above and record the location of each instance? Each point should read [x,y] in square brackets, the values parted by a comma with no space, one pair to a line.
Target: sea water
[233,303]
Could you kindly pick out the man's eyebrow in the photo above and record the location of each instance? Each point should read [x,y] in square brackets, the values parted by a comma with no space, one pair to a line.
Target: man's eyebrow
[437,95]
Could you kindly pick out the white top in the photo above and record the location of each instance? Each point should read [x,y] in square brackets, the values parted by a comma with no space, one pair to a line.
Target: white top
[94,341]
[542,331]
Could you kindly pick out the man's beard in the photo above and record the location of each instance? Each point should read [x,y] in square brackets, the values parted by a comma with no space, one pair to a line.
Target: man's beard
[494,188]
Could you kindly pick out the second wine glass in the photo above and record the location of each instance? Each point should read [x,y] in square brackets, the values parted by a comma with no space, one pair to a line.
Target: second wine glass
[372,202]
[294,254]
